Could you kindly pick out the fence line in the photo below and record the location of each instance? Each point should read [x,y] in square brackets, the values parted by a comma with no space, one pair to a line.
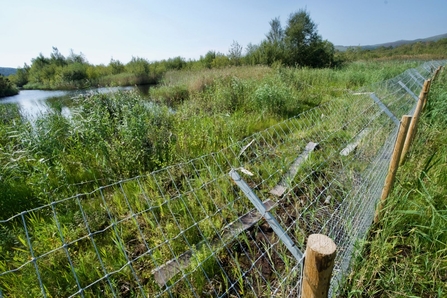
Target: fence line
[188,230]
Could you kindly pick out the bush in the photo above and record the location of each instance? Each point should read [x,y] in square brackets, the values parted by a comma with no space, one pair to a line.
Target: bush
[6,87]
[74,72]
[170,96]
[270,98]
[131,135]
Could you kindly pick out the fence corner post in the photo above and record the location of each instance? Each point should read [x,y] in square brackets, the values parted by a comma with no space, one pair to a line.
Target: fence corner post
[318,265]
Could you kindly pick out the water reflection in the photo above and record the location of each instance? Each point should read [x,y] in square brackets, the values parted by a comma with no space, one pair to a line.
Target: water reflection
[144,89]
[35,103]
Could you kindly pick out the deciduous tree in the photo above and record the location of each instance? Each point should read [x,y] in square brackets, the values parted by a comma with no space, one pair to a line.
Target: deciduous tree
[235,53]
[304,46]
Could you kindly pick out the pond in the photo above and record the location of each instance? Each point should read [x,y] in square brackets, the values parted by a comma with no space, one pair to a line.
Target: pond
[34,103]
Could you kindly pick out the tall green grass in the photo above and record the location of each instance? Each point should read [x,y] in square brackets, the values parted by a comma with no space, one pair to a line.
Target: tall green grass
[112,137]
[116,136]
[405,253]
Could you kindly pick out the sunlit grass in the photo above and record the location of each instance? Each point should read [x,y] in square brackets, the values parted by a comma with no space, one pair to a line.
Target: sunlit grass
[405,253]
[162,214]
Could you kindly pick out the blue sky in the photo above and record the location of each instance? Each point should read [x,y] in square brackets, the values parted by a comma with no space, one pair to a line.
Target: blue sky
[155,30]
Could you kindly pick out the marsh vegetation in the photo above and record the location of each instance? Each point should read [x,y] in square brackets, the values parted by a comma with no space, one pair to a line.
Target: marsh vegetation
[86,189]
[116,136]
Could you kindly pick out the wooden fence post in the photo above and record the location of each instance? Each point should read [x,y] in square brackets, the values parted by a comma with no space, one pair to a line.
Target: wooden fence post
[318,265]
[436,73]
[426,93]
[394,163]
[417,112]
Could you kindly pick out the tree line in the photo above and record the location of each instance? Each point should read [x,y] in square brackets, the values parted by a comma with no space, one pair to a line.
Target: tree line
[74,71]
[430,50]
[297,44]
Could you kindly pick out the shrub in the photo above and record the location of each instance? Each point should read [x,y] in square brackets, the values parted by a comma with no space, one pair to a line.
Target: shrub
[270,98]
[170,96]
[6,87]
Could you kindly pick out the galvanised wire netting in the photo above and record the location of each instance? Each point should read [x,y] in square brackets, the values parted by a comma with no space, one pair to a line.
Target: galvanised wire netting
[188,230]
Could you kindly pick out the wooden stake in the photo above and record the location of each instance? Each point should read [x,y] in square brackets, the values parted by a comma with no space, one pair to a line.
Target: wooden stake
[426,94]
[417,112]
[318,265]
[436,73]
[394,163]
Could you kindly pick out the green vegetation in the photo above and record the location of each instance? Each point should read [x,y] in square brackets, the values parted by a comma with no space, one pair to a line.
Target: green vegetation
[74,72]
[198,107]
[429,50]
[118,136]
[298,44]
[7,88]
[405,253]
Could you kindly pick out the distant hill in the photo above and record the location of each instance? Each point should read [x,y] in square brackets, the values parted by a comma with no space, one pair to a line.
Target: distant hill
[393,44]
[6,71]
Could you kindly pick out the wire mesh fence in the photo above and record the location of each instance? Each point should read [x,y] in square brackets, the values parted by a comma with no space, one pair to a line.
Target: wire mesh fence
[189,230]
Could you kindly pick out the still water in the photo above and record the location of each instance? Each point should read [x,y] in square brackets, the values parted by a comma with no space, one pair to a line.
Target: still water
[34,103]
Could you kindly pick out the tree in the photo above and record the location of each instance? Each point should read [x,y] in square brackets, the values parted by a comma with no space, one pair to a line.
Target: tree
[115,66]
[20,78]
[273,49]
[175,63]
[276,33]
[304,47]
[42,70]
[57,58]
[235,53]
[76,58]
[270,53]
[208,59]
[220,61]
[74,72]
[138,66]
[252,54]
[6,87]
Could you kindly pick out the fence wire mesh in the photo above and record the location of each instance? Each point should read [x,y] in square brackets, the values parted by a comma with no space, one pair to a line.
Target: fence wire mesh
[187,230]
